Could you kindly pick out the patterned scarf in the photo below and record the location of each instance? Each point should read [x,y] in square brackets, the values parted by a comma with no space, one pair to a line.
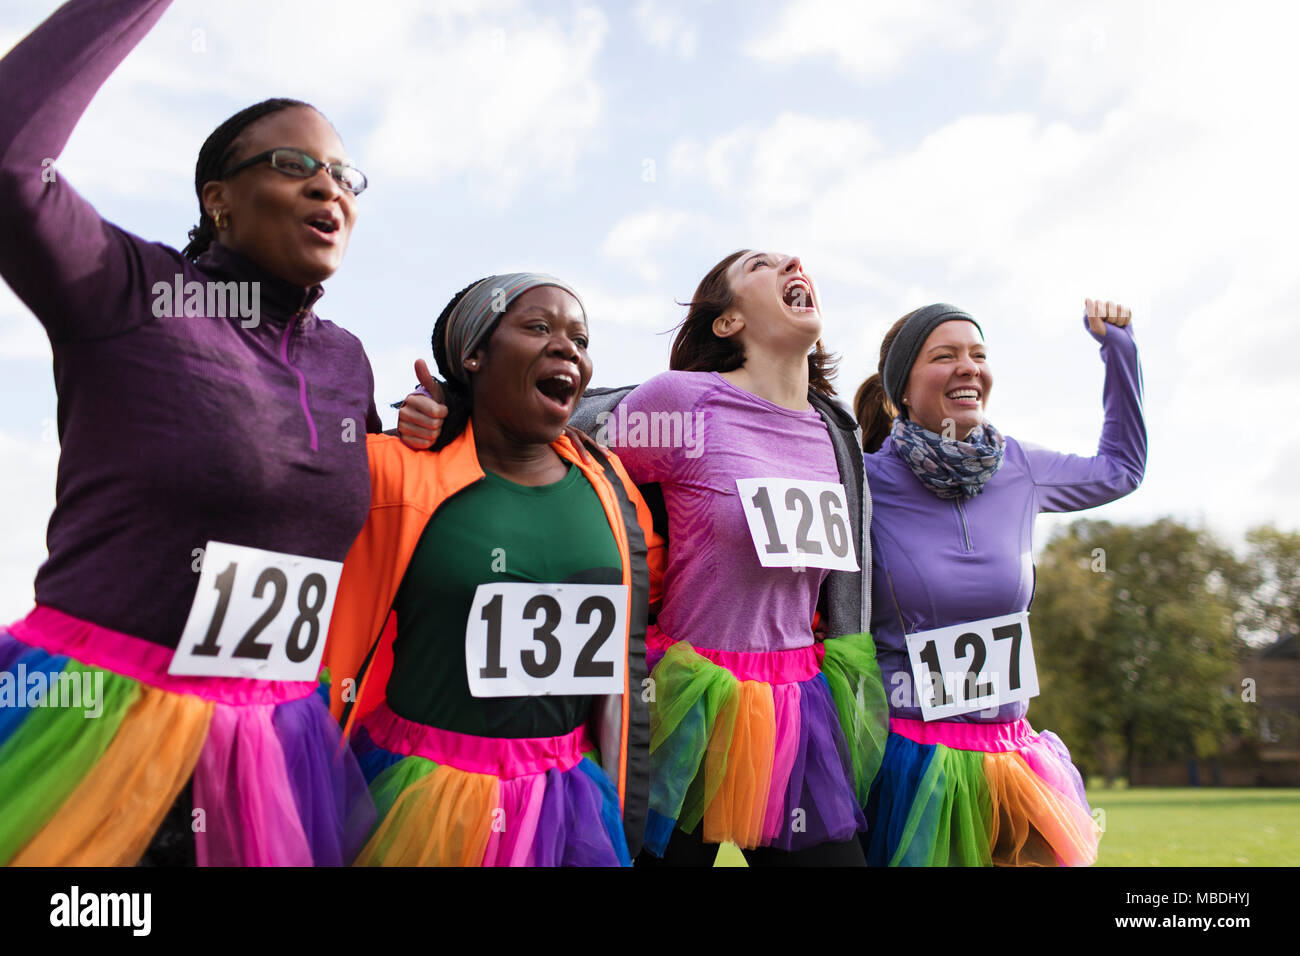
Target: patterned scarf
[948,467]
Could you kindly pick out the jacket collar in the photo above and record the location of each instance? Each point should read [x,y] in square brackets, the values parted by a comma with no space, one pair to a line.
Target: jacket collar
[280,300]
[460,466]
[832,409]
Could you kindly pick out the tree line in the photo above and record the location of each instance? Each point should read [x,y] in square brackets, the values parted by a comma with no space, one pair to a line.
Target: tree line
[1139,633]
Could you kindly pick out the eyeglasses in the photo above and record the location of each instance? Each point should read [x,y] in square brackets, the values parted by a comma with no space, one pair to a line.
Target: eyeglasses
[296,163]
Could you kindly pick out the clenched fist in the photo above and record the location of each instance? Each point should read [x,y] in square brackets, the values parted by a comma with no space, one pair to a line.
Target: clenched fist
[1099,313]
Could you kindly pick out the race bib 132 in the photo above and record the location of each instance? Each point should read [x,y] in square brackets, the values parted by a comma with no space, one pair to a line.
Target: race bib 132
[526,640]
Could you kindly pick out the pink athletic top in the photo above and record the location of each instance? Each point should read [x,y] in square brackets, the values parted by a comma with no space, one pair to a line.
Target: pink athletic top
[695,433]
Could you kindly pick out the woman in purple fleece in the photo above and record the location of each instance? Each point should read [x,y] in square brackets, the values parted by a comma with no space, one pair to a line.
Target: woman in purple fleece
[965,780]
[191,567]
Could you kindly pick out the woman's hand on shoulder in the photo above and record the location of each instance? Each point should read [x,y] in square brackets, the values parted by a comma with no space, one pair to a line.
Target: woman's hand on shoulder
[581,440]
[419,421]
[1100,313]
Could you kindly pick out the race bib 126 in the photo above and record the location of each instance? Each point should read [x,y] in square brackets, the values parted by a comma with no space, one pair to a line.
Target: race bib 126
[798,523]
[528,640]
[972,667]
[258,614]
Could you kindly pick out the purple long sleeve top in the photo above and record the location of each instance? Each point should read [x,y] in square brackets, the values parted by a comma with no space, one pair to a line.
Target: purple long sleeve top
[174,430]
[716,593]
[943,562]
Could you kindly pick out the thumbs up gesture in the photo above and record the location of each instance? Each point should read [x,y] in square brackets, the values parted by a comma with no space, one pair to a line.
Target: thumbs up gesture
[420,419]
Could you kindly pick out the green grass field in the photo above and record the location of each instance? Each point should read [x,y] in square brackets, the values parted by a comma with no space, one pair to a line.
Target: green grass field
[1185,826]
[1198,826]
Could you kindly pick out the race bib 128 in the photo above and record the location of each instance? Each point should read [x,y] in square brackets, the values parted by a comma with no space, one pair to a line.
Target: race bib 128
[972,667]
[528,640]
[798,523]
[258,614]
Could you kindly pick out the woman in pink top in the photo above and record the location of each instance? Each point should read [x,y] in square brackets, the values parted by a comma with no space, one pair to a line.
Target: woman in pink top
[760,732]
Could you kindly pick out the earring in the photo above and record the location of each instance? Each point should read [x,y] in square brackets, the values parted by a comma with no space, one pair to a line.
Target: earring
[219,219]
[471,363]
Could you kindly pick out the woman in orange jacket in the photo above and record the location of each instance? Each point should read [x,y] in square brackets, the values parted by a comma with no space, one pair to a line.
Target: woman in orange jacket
[488,640]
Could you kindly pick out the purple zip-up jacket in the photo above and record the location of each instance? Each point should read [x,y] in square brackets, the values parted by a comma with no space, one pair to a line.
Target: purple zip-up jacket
[942,562]
[173,431]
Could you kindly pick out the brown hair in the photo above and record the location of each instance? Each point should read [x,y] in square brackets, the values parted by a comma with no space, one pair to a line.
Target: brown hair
[872,407]
[697,349]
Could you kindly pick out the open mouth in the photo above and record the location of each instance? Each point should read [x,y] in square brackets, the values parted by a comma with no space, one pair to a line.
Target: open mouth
[324,226]
[965,396]
[797,294]
[558,389]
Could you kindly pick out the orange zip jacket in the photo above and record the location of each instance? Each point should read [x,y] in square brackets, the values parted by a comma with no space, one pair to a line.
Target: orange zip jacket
[407,488]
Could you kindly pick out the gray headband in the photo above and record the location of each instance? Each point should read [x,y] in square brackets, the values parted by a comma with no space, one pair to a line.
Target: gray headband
[907,345]
[479,308]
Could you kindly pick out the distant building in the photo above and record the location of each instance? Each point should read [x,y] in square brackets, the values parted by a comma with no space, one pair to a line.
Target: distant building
[1276,671]
[1268,756]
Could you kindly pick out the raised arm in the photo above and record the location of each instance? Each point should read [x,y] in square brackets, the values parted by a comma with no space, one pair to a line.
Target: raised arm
[1073,482]
[83,277]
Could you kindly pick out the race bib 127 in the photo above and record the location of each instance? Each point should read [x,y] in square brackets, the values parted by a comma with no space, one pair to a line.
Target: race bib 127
[798,523]
[972,667]
[528,640]
[258,614]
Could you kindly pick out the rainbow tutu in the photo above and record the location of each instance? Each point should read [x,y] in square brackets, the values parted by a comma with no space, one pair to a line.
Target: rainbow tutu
[973,794]
[451,799]
[97,740]
[765,748]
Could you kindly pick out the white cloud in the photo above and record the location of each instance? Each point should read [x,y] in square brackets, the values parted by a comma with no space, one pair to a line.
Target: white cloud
[666,29]
[1166,182]
[493,89]
[866,40]
[534,103]
[637,239]
[631,332]
[784,165]
[715,161]
[1194,59]
[647,311]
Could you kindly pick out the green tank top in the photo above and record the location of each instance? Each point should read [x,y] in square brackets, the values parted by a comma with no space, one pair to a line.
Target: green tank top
[494,531]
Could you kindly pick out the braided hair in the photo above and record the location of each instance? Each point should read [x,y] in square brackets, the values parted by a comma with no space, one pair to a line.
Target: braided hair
[456,395]
[216,155]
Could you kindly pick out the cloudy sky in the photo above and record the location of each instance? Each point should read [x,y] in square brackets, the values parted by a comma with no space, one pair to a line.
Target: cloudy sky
[1009,157]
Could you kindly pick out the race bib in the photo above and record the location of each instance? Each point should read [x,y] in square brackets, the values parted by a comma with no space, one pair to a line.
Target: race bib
[797,523]
[528,640]
[258,614]
[972,667]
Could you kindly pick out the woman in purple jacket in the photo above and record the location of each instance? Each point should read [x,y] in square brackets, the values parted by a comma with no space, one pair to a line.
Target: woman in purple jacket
[212,477]
[965,780]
